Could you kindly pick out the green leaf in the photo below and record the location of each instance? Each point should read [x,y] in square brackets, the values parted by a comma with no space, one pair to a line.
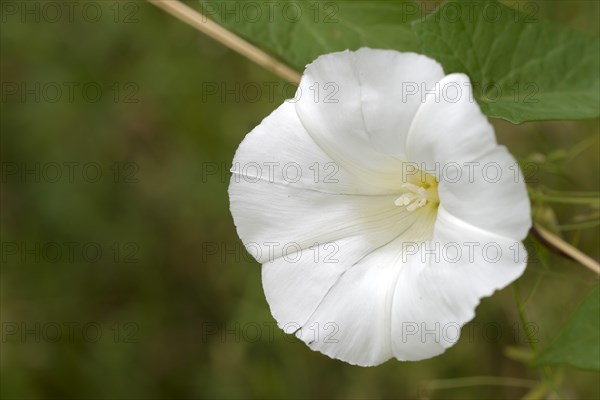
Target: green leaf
[522,68]
[578,344]
[300,31]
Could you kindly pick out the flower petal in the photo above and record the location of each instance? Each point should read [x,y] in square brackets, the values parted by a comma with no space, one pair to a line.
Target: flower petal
[489,193]
[329,106]
[292,228]
[479,181]
[462,264]
[449,127]
[410,297]
[280,151]
[393,87]
[353,322]
[298,274]
[267,206]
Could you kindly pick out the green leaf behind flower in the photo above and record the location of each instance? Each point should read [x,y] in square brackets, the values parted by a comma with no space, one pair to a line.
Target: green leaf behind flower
[578,344]
[522,68]
[299,31]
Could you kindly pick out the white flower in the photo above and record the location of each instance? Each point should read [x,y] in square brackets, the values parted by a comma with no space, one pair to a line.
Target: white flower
[381,207]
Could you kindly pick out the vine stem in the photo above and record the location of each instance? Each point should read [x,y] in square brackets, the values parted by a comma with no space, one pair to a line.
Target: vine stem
[202,23]
[553,242]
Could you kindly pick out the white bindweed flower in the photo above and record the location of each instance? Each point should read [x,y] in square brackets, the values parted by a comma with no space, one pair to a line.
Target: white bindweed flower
[381,207]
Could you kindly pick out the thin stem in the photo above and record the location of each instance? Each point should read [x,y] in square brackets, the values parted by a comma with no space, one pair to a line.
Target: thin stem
[531,339]
[580,225]
[554,242]
[538,195]
[227,38]
[579,148]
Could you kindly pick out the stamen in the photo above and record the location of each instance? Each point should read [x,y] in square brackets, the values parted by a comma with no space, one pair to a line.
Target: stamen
[414,198]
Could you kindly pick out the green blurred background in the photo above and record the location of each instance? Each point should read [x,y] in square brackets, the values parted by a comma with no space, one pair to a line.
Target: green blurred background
[122,274]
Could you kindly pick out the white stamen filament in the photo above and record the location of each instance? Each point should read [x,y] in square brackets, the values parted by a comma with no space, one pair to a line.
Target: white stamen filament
[414,198]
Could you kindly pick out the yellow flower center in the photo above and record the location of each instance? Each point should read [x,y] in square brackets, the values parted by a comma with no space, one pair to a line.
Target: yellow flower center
[419,191]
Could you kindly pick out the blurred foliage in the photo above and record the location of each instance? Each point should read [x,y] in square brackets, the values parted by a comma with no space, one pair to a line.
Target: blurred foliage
[578,344]
[168,308]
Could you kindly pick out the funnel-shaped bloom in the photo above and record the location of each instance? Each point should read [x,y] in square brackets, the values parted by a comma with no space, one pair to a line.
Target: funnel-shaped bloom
[380,205]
